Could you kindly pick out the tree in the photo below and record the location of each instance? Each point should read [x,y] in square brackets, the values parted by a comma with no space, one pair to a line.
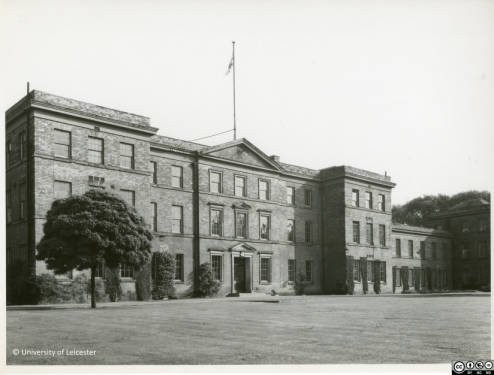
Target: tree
[419,210]
[82,231]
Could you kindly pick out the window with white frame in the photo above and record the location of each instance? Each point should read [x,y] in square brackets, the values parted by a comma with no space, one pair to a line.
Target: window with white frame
[177,176]
[126,270]
[291,270]
[177,219]
[215,182]
[290,230]
[263,190]
[381,202]
[240,186]
[368,199]
[95,150]
[290,195]
[217,266]
[216,221]
[265,269]
[179,267]
[63,144]
[126,155]
[240,224]
[264,226]
[382,235]
[355,198]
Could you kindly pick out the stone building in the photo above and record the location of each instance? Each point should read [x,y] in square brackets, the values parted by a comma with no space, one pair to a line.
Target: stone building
[258,221]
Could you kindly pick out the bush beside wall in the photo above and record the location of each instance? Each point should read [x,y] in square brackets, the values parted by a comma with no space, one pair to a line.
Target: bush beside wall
[163,274]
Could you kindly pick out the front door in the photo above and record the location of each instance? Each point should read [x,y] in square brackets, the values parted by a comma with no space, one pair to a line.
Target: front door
[239,272]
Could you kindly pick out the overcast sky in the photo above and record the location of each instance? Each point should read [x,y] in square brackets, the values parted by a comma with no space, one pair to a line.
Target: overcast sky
[405,87]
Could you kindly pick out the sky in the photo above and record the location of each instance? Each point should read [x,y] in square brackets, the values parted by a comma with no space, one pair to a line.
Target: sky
[402,87]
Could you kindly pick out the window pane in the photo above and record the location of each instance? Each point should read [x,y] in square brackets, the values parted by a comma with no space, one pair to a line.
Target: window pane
[266,269]
[95,150]
[381,205]
[355,198]
[308,197]
[264,227]
[290,228]
[263,190]
[215,182]
[216,222]
[241,225]
[177,176]
[356,232]
[179,267]
[398,247]
[239,186]
[308,270]
[370,233]
[410,248]
[126,271]
[216,265]
[382,235]
[291,270]
[290,195]
[126,156]
[153,166]
[368,199]
[154,216]
[308,231]
[177,219]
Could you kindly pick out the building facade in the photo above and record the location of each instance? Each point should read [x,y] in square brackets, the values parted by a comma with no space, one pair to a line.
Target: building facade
[258,221]
[469,223]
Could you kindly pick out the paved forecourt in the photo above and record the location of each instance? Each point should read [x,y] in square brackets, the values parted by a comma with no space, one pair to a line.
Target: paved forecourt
[296,330]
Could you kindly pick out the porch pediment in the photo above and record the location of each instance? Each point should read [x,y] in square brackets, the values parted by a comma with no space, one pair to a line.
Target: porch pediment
[243,248]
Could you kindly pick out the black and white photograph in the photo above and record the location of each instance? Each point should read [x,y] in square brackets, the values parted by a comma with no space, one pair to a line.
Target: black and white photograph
[304,184]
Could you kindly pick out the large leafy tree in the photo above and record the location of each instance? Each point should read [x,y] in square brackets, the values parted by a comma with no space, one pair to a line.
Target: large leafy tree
[83,230]
[419,210]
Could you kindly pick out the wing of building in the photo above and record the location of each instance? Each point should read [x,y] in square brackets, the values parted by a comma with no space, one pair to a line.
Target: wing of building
[258,221]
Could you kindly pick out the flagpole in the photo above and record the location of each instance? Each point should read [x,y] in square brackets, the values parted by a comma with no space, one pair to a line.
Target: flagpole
[234,113]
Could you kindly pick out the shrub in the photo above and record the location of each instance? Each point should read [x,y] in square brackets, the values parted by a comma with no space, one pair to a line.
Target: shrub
[51,291]
[300,284]
[163,271]
[21,288]
[143,283]
[112,285]
[207,285]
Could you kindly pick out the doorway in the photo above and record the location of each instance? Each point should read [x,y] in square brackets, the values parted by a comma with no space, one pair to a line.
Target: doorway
[241,272]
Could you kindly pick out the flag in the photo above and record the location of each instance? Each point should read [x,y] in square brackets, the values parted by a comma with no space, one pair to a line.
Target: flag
[230,65]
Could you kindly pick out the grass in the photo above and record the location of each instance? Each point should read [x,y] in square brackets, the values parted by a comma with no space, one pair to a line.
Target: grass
[298,330]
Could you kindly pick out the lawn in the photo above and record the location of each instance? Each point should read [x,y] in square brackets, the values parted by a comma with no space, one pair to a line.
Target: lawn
[297,330]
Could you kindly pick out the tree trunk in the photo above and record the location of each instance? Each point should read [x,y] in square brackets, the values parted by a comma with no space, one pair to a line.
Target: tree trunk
[93,287]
